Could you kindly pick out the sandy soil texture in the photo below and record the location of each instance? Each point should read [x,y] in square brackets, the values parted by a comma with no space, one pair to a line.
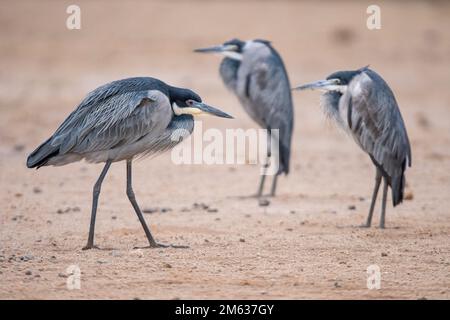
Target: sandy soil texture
[305,243]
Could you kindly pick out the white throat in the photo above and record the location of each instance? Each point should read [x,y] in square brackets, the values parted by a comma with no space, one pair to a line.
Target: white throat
[176,109]
[339,88]
[233,55]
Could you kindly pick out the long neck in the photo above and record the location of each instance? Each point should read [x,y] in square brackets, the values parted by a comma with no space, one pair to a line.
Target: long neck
[228,71]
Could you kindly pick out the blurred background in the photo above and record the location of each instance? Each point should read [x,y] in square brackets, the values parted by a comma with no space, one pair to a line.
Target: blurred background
[46,70]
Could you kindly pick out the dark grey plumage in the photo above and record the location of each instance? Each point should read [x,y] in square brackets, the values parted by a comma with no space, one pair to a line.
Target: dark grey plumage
[255,73]
[109,120]
[362,103]
[119,121]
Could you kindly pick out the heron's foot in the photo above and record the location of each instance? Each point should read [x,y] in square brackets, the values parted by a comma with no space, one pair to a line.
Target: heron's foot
[364,225]
[381,226]
[251,196]
[90,246]
[157,245]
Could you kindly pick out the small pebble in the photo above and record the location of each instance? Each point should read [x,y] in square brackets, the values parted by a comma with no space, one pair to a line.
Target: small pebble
[26,258]
[150,210]
[352,207]
[242,240]
[19,147]
[384,254]
[408,196]
[37,190]
[28,273]
[200,206]
[167,265]
[263,202]
[212,210]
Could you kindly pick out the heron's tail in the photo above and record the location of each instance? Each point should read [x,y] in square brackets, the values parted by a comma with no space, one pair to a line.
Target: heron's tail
[284,159]
[42,154]
[398,188]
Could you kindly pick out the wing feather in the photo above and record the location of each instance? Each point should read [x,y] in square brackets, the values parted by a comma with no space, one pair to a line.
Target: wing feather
[379,128]
[117,113]
[268,99]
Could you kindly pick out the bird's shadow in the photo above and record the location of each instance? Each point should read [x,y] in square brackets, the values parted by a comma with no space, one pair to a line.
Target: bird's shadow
[364,227]
[99,248]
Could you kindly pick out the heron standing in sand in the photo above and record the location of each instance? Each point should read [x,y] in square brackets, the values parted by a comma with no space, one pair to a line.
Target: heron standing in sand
[362,103]
[118,121]
[254,71]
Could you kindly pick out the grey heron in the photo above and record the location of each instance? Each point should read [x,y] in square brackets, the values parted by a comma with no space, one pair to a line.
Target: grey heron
[119,121]
[362,103]
[254,71]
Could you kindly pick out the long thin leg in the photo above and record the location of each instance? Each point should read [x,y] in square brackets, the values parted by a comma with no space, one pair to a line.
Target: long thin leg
[96,194]
[265,166]
[274,185]
[383,204]
[275,177]
[374,199]
[132,198]
[263,179]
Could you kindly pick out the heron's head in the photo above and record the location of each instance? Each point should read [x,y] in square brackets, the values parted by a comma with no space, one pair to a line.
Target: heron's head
[336,82]
[185,101]
[232,49]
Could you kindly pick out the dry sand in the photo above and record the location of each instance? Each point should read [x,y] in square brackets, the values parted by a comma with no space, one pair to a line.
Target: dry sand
[305,244]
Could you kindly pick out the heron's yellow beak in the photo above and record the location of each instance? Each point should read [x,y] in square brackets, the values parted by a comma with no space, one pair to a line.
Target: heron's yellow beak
[324,85]
[198,108]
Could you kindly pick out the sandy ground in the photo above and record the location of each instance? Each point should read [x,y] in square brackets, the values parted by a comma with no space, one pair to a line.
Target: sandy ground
[305,243]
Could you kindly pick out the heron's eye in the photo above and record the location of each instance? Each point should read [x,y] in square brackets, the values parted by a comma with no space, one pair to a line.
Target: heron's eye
[338,81]
[189,102]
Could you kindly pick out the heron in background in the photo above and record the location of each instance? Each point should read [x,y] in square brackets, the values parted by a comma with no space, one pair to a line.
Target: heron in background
[119,121]
[255,73]
[362,103]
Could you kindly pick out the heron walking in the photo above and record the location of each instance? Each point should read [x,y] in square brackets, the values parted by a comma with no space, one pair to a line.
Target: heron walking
[362,104]
[255,73]
[118,121]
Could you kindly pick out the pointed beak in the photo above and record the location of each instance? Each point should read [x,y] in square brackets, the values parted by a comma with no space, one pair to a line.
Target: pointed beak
[204,108]
[217,49]
[326,85]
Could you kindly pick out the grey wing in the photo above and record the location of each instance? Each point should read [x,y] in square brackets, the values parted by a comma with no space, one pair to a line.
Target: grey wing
[376,124]
[116,120]
[268,90]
